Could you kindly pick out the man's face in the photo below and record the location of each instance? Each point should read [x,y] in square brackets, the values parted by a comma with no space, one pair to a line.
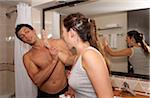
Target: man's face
[27,35]
[129,41]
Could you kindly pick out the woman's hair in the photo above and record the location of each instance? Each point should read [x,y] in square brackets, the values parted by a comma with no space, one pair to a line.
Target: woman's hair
[97,43]
[82,25]
[86,29]
[139,38]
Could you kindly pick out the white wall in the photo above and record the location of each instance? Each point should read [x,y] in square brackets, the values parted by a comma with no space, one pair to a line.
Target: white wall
[52,23]
[37,20]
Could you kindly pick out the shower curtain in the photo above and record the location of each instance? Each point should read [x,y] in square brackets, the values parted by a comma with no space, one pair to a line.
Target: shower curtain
[24,87]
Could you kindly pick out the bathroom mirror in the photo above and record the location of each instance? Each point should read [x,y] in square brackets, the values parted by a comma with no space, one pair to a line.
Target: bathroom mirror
[113,19]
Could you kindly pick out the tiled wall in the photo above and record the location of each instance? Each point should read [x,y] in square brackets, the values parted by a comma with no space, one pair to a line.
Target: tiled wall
[7,80]
[7,25]
[7,30]
[139,86]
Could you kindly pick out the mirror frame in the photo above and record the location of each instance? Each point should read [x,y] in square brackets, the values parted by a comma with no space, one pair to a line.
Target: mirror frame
[126,74]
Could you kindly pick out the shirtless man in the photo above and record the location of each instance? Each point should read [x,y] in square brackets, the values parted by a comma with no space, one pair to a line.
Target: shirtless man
[42,65]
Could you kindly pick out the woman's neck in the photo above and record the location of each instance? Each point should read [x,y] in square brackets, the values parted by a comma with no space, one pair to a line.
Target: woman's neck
[81,47]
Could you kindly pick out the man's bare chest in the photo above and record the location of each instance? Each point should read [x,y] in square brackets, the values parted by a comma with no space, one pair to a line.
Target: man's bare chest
[41,58]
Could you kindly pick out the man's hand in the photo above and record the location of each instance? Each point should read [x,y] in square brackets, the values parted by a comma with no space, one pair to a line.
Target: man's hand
[54,52]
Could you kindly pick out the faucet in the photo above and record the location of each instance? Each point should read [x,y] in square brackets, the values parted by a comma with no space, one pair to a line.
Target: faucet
[127,88]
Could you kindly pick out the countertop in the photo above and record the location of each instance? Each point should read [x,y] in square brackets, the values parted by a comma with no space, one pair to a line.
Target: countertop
[127,95]
[137,96]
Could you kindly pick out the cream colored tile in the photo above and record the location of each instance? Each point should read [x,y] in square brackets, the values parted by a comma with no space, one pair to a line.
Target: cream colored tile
[138,87]
[11,82]
[146,86]
[132,83]
[117,82]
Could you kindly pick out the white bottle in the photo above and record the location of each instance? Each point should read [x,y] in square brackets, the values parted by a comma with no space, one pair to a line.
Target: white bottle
[63,96]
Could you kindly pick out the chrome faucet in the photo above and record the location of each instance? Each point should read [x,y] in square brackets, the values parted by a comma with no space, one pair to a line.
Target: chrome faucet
[127,88]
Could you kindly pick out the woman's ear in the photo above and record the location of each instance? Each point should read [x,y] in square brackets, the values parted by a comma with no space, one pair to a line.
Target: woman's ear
[133,40]
[72,32]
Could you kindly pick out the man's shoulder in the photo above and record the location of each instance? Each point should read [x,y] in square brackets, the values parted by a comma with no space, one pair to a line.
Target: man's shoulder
[54,39]
[27,54]
[58,41]
[27,58]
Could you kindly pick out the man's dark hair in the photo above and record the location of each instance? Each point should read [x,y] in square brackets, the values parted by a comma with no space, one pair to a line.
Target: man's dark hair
[19,26]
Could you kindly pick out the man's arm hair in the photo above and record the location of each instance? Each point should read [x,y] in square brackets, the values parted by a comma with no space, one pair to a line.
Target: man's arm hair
[37,75]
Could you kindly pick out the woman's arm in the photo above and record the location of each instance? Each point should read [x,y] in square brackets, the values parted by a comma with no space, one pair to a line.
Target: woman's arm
[123,52]
[108,50]
[62,51]
[96,68]
[66,58]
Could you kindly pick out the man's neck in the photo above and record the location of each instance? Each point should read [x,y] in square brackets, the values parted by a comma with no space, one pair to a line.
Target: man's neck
[38,44]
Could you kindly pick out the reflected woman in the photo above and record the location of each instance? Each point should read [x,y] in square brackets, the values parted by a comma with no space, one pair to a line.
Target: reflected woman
[138,52]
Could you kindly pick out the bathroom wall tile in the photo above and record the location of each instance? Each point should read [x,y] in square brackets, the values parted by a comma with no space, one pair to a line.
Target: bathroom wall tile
[3,19]
[6,53]
[9,54]
[117,82]
[140,86]
[132,83]
[11,82]
[1,77]
[3,53]
[3,30]
[3,88]
[146,86]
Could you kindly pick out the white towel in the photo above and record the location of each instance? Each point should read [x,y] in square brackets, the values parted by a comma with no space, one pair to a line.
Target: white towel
[113,40]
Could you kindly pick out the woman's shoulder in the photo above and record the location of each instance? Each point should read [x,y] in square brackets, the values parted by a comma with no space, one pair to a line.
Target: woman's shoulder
[91,53]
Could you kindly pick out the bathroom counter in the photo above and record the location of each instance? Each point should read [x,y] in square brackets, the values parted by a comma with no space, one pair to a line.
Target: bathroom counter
[137,96]
[125,95]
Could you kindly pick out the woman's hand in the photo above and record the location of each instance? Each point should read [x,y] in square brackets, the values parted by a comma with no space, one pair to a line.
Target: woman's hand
[104,42]
[44,36]
[70,92]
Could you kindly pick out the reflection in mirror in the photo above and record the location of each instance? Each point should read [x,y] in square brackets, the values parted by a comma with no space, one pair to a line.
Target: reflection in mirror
[114,28]
[50,17]
[113,24]
[48,22]
[139,20]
